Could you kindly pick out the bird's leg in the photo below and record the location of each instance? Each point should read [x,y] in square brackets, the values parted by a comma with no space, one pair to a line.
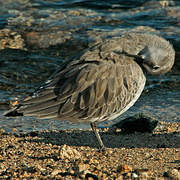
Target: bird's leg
[93,126]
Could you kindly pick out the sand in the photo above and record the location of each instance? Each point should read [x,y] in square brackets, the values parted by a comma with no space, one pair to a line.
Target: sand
[74,154]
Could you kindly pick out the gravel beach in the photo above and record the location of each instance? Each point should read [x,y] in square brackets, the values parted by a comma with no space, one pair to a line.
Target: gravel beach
[73,154]
[36,38]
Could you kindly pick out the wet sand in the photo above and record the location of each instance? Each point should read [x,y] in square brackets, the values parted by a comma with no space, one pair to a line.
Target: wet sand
[73,154]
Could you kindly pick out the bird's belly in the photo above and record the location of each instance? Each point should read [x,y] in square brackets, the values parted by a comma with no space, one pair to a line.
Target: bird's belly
[124,109]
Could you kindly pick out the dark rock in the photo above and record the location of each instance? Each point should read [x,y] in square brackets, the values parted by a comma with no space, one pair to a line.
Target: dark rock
[173,174]
[92,176]
[139,123]
[33,134]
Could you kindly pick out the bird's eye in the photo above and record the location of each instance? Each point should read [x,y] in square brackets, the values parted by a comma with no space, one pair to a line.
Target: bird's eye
[156,67]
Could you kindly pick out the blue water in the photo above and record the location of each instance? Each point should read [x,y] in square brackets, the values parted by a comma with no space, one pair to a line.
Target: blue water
[62,29]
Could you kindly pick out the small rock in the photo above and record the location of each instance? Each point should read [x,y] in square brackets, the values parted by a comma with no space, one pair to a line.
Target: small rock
[71,171]
[41,168]
[46,39]
[29,169]
[67,152]
[10,39]
[33,133]
[126,175]
[124,168]
[90,176]
[2,131]
[74,13]
[173,174]
[55,172]
[83,167]
[120,177]
[134,175]
[143,173]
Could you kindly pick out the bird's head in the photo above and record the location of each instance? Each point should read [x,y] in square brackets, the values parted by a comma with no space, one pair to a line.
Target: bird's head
[157,58]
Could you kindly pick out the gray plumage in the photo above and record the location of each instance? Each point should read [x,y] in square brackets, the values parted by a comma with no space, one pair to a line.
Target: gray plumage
[101,83]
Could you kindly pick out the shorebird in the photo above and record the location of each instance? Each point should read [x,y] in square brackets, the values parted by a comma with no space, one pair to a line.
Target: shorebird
[101,83]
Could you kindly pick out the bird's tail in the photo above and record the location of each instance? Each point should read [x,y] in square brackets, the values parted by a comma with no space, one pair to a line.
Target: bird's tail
[13,111]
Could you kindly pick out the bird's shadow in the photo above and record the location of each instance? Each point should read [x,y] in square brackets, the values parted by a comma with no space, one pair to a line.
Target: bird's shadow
[110,139]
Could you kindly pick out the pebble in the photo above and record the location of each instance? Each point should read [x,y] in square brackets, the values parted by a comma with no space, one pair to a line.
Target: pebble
[124,168]
[173,174]
[55,172]
[143,173]
[67,152]
[82,167]
[11,39]
[134,175]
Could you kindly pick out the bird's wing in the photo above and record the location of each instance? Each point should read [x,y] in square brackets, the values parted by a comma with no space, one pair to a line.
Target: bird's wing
[85,90]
